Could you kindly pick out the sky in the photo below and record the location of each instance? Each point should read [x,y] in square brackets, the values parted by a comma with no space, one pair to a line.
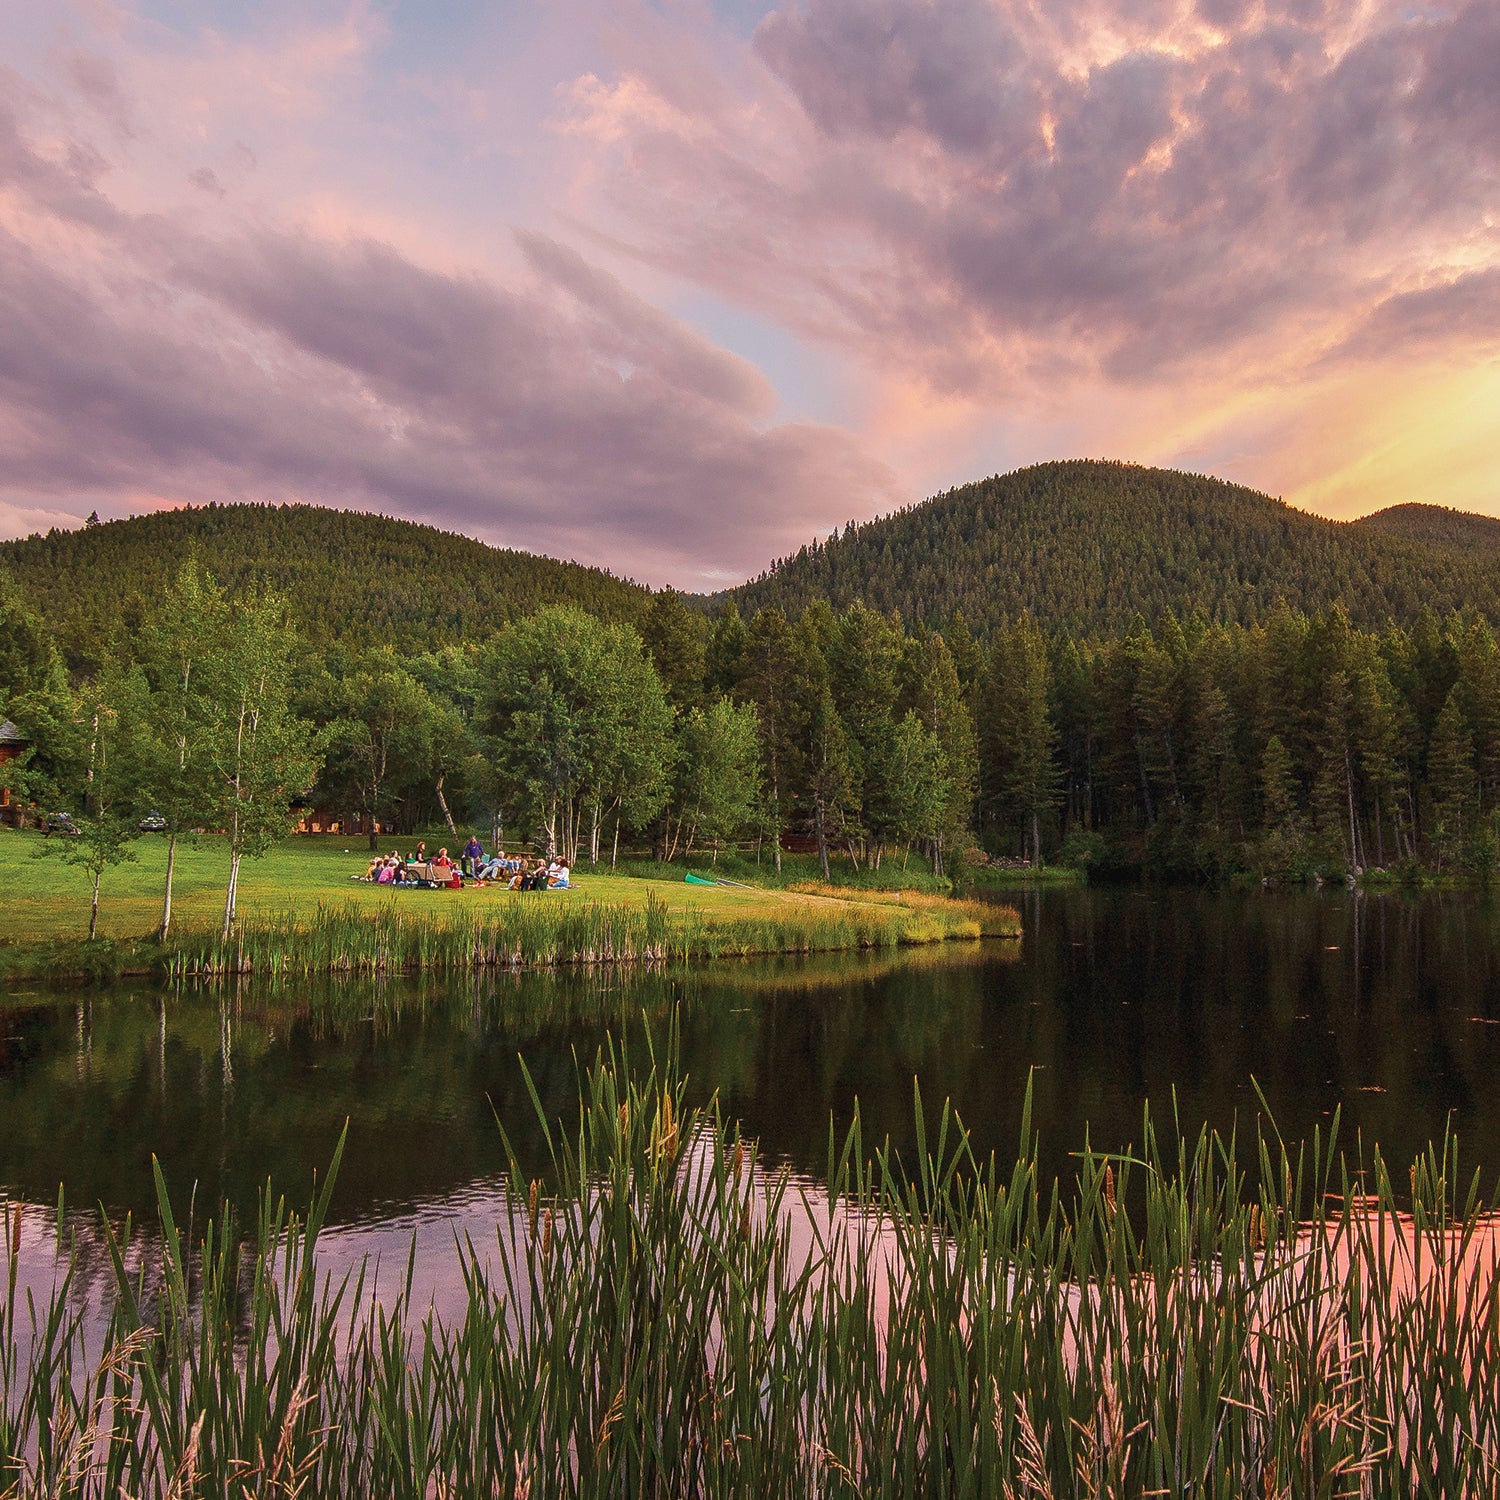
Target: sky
[672,286]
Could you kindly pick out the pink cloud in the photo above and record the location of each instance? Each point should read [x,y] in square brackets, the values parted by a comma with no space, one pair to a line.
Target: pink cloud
[241,355]
[940,176]
[283,263]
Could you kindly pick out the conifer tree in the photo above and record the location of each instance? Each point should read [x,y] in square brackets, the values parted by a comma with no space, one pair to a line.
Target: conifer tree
[1281,843]
[1450,780]
[1017,733]
[675,639]
[773,676]
[724,653]
[1334,793]
[864,654]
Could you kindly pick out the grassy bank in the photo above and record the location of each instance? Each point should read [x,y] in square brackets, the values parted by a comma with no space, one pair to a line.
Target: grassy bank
[666,1317]
[300,912]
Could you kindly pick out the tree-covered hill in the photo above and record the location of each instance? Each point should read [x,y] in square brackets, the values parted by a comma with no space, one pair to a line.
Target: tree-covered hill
[1083,546]
[1088,545]
[355,578]
[1437,526]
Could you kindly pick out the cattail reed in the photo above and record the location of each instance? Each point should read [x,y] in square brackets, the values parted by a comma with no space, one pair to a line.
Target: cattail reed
[555,930]
[666,1316]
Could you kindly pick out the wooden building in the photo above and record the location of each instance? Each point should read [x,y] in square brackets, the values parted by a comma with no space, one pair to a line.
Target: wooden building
[12,746]
[327,820]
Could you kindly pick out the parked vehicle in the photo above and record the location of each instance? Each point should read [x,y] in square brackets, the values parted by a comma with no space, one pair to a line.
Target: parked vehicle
[153,822]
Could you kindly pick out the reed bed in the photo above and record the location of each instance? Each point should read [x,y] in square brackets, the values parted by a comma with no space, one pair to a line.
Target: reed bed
[666,1317]
[548,931]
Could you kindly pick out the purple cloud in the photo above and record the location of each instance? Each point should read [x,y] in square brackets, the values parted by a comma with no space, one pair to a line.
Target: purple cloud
[1431,319]
[984,187]
[286,267]
[555,410]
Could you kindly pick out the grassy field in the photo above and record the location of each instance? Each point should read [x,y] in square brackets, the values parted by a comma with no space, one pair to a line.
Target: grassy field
[300,910]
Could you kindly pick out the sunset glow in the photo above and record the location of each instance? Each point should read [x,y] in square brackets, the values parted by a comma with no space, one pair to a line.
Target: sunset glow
[673,287]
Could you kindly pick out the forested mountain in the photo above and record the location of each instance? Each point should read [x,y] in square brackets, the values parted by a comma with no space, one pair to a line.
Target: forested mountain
[1088,546]
[1435,525]
[1341,712]
[359,579]
[1081,546]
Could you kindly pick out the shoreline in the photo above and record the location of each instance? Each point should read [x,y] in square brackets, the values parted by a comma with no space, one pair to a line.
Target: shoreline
[349,938]
[300,912]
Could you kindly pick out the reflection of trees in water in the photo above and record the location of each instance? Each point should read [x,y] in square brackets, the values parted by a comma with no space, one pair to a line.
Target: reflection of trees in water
[1362,1000]
[1115,995]
[231,1083]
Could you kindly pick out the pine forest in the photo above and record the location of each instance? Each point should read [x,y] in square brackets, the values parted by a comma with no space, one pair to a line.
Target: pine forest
[1116,669]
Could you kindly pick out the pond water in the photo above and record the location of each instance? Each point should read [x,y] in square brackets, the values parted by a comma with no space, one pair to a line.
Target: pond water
[1386,1005]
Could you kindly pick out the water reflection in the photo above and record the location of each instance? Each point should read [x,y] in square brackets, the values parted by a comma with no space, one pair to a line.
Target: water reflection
[1388,1005]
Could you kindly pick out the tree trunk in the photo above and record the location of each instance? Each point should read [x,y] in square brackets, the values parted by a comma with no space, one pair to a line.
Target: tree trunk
[234,824]
[776,818]
[231,895]
[822,833]
[94,909]
[1140,756]
[166,900]
[443,803]
[88,794]
[614,854]
[1355,862]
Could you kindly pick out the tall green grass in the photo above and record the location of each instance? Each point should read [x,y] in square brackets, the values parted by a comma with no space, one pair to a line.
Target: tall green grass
[545,931]
[664,1316]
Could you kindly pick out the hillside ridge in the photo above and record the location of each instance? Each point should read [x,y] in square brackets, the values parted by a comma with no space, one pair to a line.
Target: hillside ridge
[350,576]
[1089,545]
[1438,524]
[1085,545]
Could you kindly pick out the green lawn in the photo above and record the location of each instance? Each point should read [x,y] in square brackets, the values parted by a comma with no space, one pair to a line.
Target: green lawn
[44,899]
[44,902]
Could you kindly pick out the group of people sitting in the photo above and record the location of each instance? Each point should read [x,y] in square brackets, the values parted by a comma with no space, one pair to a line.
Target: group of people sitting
[440,871]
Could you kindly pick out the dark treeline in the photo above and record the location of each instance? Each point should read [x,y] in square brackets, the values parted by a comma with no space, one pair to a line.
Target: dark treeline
[1087,546]
[348,577]
[1301,746]
[1295,747]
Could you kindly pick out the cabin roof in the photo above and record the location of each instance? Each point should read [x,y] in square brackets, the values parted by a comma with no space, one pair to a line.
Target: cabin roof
[9,734]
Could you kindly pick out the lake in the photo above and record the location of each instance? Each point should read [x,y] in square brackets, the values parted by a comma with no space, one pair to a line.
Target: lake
[1388,1005]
